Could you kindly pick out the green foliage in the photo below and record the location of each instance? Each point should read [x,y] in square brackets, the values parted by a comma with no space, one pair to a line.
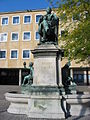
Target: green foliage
[78,40]
[63,17]
[64,33]
[76,16]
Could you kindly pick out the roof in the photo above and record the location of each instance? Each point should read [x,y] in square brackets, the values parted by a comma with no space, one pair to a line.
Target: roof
[23,11]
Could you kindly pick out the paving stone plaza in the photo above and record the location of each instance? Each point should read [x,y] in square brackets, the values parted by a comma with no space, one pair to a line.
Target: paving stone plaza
[4,115]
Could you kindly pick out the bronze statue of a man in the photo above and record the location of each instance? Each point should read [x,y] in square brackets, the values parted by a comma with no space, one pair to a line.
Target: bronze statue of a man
[48,27]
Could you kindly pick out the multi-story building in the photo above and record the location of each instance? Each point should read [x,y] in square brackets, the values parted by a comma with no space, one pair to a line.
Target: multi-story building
[18,36]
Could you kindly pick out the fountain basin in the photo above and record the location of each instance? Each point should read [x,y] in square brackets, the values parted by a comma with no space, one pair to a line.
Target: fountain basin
[80,104]
[18,103]
[47,104]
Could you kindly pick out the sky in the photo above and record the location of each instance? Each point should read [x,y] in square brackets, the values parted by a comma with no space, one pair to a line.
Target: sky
[19,5]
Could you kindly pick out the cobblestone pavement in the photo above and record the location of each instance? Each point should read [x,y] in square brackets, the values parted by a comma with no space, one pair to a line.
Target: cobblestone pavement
[4,115]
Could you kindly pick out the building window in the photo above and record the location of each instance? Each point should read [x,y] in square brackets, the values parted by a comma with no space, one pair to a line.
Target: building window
[15,36]
[37,36]
[16,20]
[37,18]
[26,36]
[89,76]
[75,77]
[2,54]
[26,54]
[27,19]
[4,21]
[14,54]
[79,76]
[3,37]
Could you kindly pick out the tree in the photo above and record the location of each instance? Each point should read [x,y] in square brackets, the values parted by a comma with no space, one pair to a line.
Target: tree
[77,39]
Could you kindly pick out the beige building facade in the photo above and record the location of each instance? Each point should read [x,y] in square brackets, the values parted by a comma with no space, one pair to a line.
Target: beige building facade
[18,36]
[21,26]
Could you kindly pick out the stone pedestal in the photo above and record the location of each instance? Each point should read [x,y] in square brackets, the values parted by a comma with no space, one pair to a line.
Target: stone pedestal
[46,70]
[45,100]
[45,105]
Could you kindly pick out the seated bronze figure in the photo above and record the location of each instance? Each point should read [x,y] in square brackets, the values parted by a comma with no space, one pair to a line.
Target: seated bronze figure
[48,27]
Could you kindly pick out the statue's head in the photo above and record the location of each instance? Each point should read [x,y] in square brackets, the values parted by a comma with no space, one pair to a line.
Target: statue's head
[67,65]
[49,10]
[24,63]
[30,64]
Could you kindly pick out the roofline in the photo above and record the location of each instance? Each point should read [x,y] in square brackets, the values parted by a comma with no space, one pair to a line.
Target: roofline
[23,11]
[83,67]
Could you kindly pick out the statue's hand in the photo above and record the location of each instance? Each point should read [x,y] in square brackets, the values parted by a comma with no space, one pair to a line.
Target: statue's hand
[22,84]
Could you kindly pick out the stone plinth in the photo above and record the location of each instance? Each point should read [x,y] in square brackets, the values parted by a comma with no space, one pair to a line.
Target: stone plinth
[46,71]
[45,103]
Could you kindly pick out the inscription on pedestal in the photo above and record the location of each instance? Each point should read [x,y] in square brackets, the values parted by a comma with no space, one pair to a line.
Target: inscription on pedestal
[45,71]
